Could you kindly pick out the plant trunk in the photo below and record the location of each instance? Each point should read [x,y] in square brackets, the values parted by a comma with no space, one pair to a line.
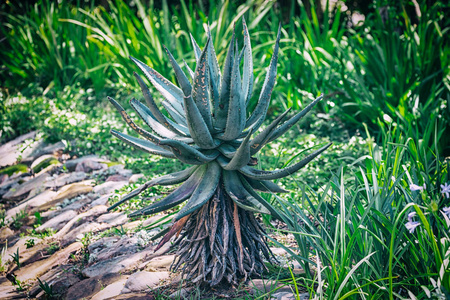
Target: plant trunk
[221,241]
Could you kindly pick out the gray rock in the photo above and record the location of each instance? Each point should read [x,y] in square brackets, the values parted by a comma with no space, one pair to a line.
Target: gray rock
[41,162]
[3,178]
[64,179]
[111,290]
[114,218]
[102,200]
[102,243]
[89,165]
[119,264]
[109,187]
[125,173]
[180,294]
[142,281]
[160,262]
[72,164]
[30,204]
[10,151]
[113,248]
[60,279]
[40,267]
[117,177]
[78,232]
[85,289]
[22,190]
[59,221]
[135,178]
[49,149]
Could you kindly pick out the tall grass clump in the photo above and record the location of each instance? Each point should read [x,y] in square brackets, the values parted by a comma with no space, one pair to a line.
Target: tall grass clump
[380,228]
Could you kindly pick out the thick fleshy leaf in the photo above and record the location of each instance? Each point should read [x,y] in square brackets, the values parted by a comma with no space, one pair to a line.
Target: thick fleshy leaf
[144,145]
[168,179]
[247,76]
[291,122]
[204,190]
[266,186]
[180,119]
[236,107]
[191,73]
[133,125]
[197,50]
[189,154]
[214,72]
[197,126]
[181,77]
[227,150]
[270,175]
[221,111]
[262,138]
[259,113]
[242,155]
[169,124]
[261,200]
[146,115]
[168,90]
[200,93]
[237,192]
[182,193]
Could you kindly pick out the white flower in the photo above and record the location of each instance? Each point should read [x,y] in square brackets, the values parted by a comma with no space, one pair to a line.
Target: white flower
[411,215]
[446,210]
[414,187]
[411,226]
[445,189]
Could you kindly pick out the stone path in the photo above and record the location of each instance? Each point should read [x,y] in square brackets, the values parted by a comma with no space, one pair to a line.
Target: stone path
[52,223]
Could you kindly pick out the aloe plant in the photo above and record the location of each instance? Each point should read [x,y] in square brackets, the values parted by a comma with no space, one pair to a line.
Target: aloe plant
[218,237]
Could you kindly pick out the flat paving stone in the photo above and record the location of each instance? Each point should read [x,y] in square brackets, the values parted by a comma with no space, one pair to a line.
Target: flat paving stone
[64,179]
[85,289]
[119,264]
[59,221]
[9,152]
[143,281]
[109,187]
[38,268]
[112,290]
[22,190]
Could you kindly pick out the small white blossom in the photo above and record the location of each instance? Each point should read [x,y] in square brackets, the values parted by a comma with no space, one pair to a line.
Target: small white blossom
[414,187]
[411,226]
[445,189]
[411,215]
[446,211]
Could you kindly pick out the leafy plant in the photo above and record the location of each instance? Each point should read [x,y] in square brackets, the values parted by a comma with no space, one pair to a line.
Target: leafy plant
[16,258]
[17,220]
[52,248]
[29,243]
[48,289]
[208,127]
[17,283]
[38,219]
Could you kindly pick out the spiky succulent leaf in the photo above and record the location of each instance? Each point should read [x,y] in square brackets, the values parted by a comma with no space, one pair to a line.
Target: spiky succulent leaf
[221,111]
[258,115]
[176,197]
[203,191]
[200,93]
[218,141]
[171,92]
[247,76]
